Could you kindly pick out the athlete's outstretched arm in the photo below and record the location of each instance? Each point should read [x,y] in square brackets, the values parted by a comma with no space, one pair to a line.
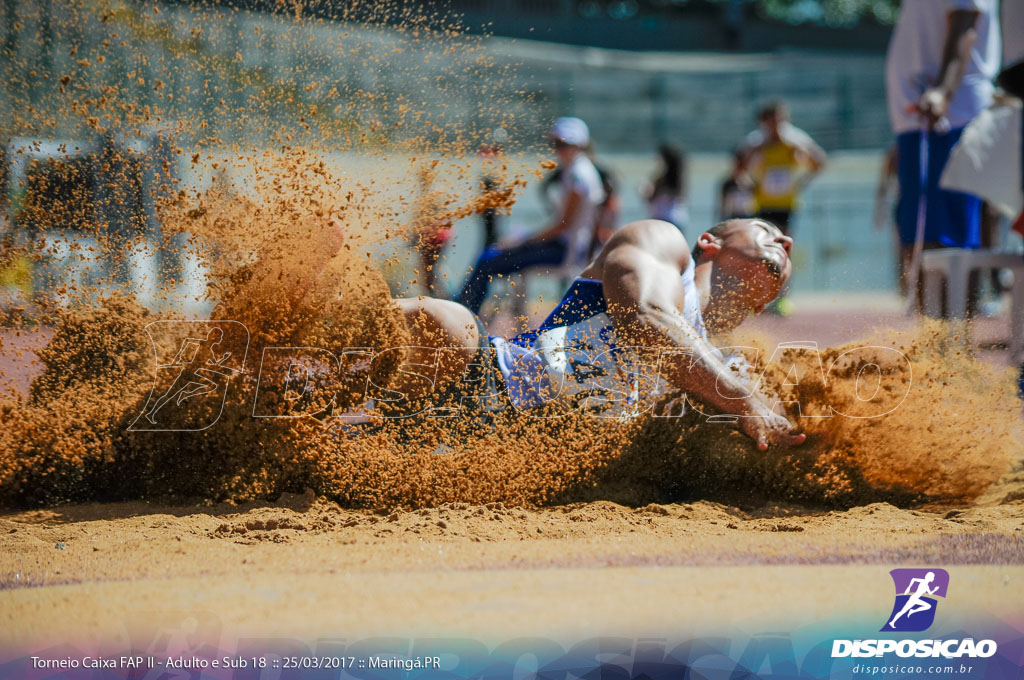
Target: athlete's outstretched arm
[641,271]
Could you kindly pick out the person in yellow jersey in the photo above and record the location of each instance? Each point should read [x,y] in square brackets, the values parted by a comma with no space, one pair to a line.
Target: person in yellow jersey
[782,160]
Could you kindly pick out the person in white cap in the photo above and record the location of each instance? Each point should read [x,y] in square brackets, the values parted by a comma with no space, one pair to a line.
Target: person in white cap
[567,238]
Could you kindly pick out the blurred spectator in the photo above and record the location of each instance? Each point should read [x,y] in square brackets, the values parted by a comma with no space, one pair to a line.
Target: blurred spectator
[942,58]
[782,160]
[6,232]
[568,238]
[986,160]
[736,196]
[15,266]
[430,229]
[608,211]
[666,195]
[1011,79]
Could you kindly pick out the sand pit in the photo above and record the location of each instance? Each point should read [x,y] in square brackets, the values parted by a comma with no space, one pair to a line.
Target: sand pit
[76,437]
[510,533]
[493,571]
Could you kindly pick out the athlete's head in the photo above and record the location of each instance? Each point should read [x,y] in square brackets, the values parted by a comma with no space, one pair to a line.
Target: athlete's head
[750,265]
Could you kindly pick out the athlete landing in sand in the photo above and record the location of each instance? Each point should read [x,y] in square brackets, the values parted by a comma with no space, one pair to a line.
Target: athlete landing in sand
[646,292]
[645,289]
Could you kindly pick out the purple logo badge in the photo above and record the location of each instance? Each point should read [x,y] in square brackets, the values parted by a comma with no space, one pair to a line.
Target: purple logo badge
[916,590]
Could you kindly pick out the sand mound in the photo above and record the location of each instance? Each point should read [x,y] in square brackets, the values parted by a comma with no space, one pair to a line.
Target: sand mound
[897,418]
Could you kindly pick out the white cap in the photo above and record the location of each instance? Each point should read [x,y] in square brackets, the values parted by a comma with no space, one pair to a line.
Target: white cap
[571,131]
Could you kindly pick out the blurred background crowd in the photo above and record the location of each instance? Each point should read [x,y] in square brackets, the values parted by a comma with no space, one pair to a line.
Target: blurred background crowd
[690,111]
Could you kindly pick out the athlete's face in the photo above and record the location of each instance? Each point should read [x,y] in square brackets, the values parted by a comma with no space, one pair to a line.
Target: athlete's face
[757,253]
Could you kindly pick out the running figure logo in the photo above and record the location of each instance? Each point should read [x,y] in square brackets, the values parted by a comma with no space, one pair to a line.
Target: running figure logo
[916,590]
[195,364]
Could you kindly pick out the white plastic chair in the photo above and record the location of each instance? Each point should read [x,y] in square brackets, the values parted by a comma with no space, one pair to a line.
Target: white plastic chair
[954,266]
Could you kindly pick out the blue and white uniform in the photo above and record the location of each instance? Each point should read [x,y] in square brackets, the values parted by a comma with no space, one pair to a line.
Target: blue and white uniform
[574,355]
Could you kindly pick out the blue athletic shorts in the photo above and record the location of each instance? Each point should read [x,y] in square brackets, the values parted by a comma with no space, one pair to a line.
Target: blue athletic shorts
[953,218]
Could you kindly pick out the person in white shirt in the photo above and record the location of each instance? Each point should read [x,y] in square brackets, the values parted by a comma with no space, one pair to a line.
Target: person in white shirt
[782,160]
[568,238]
[987,161]
[942,59]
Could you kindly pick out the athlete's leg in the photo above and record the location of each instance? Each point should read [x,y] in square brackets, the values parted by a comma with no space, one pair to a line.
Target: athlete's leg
[437,324]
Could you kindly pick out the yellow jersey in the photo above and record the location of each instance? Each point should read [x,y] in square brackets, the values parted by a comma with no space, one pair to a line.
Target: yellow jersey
[775,171]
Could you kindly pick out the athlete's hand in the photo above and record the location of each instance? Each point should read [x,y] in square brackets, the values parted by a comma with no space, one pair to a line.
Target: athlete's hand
[767,427]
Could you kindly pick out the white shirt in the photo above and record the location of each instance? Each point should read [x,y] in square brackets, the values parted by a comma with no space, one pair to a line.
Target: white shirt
[915,57]
[581,178]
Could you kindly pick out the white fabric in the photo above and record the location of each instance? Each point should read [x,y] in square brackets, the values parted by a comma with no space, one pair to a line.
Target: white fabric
[986,161]
[1013,32]
[915,58]
[581,178]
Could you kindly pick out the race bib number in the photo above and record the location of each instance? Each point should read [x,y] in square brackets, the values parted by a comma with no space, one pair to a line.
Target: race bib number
[777,182]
